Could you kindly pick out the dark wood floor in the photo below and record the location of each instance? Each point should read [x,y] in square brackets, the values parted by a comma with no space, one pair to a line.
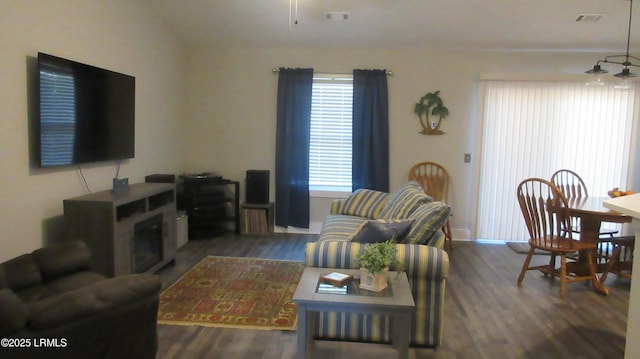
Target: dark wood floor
[486,314]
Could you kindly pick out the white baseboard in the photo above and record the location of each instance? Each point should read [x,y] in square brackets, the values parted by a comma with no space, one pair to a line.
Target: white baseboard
[460,234]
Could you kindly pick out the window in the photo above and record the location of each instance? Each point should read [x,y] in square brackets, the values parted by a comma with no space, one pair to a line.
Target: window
[330,150]
[533,128]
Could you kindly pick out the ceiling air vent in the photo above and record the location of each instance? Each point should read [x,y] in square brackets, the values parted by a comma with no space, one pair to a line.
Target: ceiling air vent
[589,17]
[337,16]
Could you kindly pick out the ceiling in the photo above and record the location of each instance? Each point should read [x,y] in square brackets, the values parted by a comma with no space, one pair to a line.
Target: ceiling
[426,24]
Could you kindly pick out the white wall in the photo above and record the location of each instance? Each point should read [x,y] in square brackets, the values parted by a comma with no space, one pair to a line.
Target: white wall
[233,108]
[119,35]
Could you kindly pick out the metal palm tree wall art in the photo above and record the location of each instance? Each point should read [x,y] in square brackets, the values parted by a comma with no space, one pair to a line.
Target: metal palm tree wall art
[431,105]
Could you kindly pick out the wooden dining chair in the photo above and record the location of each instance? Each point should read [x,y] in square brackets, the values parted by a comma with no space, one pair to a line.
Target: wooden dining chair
[572,186]
[546,214]
[621,260]
[435,182]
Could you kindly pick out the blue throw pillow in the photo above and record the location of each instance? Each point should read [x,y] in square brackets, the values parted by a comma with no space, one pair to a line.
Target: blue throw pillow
[382,230]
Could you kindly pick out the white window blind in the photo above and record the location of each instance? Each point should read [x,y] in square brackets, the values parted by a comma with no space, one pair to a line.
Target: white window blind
[533,128]
[330,150]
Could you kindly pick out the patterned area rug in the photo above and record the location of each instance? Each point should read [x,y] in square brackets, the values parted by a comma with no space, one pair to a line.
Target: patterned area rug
[232,292]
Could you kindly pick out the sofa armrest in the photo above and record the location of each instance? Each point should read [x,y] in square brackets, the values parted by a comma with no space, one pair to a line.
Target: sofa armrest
[92,300]
[420,261]
[13,312]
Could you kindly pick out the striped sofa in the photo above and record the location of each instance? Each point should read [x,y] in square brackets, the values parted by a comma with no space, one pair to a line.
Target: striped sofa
[421,251]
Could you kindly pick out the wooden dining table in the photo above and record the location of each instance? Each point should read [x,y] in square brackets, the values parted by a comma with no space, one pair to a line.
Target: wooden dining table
[592,213]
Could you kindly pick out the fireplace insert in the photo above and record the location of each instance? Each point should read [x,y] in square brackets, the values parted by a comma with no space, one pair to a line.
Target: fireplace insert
[147,243]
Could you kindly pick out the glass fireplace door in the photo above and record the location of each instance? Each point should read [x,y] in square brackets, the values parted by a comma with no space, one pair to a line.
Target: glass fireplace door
[147,243]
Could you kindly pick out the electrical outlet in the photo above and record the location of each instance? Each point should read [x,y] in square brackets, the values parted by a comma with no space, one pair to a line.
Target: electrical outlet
[467,157]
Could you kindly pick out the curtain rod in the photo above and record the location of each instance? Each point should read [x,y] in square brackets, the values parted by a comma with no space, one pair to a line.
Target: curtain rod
[276,70]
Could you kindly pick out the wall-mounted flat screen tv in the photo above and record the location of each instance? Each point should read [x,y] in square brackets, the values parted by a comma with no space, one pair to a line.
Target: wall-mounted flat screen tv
[87,114]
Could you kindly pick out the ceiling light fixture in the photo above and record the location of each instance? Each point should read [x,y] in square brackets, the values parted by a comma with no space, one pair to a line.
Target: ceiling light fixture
[624,60]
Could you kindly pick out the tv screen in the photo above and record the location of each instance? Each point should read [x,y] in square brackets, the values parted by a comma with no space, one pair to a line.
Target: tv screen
[87,114]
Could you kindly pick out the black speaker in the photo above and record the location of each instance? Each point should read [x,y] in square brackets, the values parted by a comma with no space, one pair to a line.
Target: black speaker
[257,187]
[160,178]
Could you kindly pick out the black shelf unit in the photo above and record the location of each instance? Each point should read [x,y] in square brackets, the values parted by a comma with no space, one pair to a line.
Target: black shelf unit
[211,203]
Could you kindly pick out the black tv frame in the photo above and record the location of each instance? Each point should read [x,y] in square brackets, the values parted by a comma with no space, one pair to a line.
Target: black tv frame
[103,107]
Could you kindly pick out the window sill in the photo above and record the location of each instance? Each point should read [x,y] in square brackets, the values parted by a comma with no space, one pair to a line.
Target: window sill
[322,193]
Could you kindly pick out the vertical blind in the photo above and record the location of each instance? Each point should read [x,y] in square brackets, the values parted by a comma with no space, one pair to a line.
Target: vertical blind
[533,128]
[330,153]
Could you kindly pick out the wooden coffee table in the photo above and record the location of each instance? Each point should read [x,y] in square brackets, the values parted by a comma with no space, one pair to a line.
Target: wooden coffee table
[311,298]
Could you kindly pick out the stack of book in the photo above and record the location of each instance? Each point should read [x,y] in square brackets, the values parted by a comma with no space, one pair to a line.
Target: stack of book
[334,283]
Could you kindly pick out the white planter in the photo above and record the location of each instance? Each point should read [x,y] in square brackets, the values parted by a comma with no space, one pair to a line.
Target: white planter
[374,282]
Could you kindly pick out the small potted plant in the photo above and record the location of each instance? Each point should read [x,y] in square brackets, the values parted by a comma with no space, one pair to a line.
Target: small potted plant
[374,264]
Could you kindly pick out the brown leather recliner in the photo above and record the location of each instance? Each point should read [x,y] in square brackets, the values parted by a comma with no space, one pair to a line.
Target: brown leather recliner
[53,306]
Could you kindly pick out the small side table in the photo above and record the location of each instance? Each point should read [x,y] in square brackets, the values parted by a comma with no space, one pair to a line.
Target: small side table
[257,219]
[311,298]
